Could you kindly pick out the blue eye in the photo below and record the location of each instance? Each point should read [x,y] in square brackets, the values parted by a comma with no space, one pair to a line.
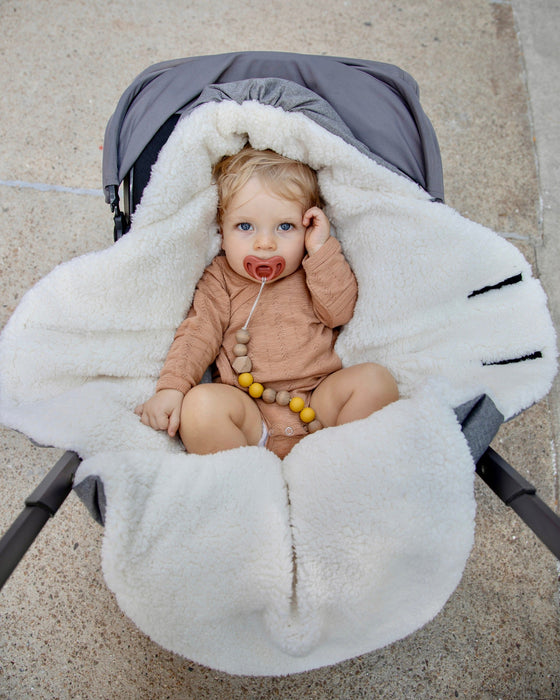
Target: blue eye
[244,226]
[285,227]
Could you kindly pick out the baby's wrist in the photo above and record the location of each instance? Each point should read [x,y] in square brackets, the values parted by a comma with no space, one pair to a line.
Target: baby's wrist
[316,247]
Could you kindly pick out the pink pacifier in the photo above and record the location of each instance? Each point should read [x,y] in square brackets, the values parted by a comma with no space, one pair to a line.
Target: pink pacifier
[268,269]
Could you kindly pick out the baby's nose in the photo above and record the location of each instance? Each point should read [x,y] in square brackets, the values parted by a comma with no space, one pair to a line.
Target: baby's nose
[265,240]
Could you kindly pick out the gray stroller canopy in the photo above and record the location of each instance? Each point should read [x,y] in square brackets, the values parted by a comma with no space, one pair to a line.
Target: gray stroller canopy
[378,103]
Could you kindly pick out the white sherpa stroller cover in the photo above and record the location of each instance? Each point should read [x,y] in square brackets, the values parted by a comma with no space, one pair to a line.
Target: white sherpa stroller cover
[239,560]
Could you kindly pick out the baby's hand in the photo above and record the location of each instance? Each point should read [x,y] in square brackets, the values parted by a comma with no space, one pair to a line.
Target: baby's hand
[162,411]
[318,229]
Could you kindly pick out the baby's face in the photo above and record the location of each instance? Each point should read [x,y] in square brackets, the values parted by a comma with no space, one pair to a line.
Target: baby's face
[262,226]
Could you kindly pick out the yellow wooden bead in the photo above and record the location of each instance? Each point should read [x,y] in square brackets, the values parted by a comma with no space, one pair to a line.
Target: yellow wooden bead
[256,390]
[245,379]
[307,415]
[297,404]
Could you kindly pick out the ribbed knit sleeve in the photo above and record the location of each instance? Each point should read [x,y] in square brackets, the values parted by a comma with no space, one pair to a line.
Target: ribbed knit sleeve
[198,339]
[331,283]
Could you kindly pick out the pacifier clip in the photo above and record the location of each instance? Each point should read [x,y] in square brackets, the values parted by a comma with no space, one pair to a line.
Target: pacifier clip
[243,366]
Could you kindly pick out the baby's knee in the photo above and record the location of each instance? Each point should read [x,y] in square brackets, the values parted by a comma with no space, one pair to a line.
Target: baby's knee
[198,417]
[380,381]
[198,404]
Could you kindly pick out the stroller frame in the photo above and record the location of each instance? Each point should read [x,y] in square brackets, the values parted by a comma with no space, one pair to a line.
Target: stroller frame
[43,503]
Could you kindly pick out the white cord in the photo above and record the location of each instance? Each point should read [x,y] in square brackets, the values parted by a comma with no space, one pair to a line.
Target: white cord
[255,304]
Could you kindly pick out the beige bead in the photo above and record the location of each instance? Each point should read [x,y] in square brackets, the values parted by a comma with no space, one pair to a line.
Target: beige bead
[314,426]
[240,350]
[243,336]
[269,396]
[283,398]
[242,364]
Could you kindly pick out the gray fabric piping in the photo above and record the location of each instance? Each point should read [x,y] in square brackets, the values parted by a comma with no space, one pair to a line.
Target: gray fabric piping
[480,421]
[291,97]
[92,494]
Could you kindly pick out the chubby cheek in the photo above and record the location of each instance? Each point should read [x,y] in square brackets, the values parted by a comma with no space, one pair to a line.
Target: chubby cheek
[234,256]
[295,254]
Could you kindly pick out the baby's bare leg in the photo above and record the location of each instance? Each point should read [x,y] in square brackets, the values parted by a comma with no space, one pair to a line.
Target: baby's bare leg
[353,393]
[217,417]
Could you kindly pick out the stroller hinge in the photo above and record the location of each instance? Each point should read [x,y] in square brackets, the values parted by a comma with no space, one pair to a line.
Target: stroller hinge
[119,217]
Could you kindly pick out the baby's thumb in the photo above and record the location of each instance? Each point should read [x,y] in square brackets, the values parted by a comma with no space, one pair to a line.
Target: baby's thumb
[174,422]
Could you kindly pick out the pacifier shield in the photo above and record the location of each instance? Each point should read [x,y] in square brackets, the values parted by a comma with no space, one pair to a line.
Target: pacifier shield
[269,269]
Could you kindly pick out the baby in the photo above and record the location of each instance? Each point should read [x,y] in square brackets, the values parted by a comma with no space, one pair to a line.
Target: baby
[267,314]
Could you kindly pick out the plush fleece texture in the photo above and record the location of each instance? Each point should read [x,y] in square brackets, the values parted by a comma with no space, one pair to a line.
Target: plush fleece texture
[241,561]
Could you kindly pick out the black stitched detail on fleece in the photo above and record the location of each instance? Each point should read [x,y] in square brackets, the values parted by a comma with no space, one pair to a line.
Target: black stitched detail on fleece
[510,280]
[534,356]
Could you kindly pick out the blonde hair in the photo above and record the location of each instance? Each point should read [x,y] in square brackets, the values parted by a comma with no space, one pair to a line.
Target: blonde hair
[285,177]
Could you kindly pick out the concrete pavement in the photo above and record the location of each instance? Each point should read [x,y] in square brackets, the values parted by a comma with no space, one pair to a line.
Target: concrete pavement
[489,75]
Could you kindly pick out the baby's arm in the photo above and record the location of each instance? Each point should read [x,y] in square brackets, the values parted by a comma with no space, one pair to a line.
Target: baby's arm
[196,344]
[331,283]
[162,411]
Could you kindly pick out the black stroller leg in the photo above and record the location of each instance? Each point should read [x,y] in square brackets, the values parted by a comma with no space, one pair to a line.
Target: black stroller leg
[519,494]
[39,507]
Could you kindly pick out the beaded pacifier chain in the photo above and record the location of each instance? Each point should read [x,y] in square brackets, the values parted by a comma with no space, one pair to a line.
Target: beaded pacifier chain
[243,366]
